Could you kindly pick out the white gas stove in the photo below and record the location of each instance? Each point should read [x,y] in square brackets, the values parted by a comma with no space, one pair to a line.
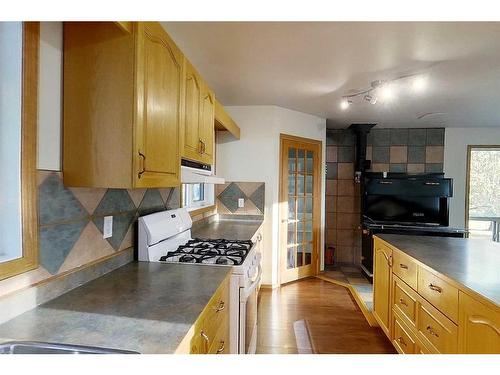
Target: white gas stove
[166,237]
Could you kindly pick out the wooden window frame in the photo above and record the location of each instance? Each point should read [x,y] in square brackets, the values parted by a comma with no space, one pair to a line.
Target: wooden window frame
[29,119]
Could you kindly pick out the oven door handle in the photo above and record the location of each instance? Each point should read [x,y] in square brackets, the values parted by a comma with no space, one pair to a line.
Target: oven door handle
[246,292]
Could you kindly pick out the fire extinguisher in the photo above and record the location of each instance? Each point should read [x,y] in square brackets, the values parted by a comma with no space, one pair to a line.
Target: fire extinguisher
[329,255]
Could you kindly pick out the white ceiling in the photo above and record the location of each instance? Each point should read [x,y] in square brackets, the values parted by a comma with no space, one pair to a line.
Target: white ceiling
[309,66]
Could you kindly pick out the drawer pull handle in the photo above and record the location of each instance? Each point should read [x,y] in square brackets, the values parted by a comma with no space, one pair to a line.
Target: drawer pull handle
[403,302]
[431,331]
[435,288]
[401,341]
[403,266]
[221,306]
[205,337]
[221,347]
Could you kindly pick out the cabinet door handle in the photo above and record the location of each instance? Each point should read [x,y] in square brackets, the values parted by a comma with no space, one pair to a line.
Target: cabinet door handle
[431,331]
[205,337]
[221,347]
[259,237]
[403,266]
[141,172]
[403,302]
[221,306]
[204,147]
[387,257]
[401,341]
[435,288]
[200,146]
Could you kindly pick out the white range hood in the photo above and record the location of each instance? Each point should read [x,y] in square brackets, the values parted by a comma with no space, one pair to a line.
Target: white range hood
[192,175]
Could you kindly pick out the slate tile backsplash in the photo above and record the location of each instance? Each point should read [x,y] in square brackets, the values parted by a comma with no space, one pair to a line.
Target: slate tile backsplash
[67,213]
[253,193]
[392,150]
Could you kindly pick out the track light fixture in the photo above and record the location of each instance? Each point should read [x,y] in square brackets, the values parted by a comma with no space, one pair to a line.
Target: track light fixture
[384,91]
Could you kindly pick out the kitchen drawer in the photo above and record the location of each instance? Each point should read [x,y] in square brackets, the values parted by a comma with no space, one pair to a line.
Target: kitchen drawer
[214,317]
[439,293]
[436,330]
[403,339]
[405,268]
[220,344]
[216,313]
[405,300]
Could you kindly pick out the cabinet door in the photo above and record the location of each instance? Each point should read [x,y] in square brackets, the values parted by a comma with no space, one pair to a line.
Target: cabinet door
[192,114]
[382,285]
[159,74]
[478,327]
[207,132]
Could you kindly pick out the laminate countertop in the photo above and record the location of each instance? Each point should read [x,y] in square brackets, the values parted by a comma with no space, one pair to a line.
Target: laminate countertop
[143,307]
[474,263]
[229,229]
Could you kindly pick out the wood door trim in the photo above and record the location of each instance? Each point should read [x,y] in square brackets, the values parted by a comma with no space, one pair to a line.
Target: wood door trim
[315,146]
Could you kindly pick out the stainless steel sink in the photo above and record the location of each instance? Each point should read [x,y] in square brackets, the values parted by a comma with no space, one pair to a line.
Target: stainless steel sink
[33,347]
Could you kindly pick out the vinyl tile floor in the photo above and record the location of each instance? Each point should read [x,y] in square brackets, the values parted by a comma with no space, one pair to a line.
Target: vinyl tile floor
[352,274]
[315,316]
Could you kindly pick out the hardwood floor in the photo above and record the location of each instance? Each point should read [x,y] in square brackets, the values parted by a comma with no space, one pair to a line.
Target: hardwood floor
[318,312]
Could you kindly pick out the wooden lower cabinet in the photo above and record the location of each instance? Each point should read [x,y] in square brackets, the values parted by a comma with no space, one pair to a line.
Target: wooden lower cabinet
[403,339]
[382,285]
[437,331]
[428,314]
[211,330]
[479,327]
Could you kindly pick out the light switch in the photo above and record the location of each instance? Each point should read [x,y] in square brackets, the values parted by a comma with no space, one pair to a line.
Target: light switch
[241,202]
[107,230]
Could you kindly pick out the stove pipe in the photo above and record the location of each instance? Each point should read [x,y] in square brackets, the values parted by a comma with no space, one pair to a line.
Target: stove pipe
[361,164]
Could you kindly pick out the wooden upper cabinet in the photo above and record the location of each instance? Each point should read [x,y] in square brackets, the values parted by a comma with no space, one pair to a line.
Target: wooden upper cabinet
[382,276]
[479,327]
[123,106]
[191,140]
[159,85]
[198,133]
[207,130]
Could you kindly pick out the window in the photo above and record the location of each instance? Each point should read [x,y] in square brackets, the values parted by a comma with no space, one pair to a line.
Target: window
[483,202]
[196,196]
[18,119]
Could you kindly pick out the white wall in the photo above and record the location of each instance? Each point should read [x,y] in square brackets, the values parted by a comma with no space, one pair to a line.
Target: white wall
[455,163]
[255,157]
[49,96]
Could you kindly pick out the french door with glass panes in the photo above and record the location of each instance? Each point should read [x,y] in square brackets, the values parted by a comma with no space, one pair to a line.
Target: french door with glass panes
[300,207]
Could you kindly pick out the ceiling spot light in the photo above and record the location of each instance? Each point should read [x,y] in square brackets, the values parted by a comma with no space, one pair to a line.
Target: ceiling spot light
[387,93]
[419,84]
[371,99]
[344,104]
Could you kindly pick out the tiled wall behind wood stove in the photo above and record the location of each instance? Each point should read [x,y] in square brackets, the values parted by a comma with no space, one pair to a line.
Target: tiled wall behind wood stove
[393,150]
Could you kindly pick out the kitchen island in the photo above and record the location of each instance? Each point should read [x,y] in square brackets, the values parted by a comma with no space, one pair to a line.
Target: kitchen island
[438,294]
[142,307]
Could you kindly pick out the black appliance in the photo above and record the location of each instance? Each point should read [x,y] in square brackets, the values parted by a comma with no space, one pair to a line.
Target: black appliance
[400,203]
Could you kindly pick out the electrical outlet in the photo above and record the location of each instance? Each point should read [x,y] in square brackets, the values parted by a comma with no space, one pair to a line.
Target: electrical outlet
[241,202]
[107,230]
